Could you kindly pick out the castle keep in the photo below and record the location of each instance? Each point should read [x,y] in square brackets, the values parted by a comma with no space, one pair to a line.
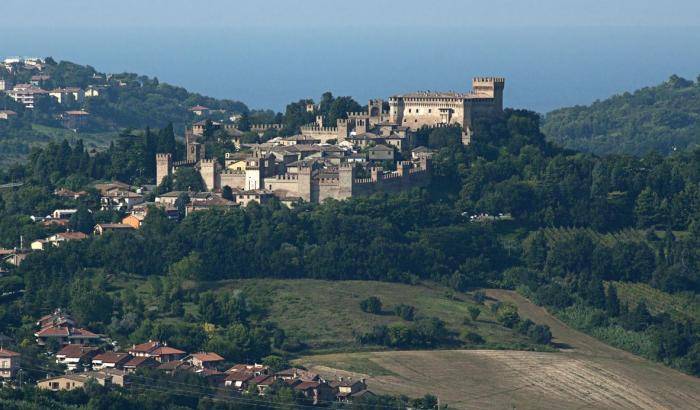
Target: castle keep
[343,159]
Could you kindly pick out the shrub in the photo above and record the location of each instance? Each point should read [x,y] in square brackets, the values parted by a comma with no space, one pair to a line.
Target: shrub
[371,305]
[405,312]
[473,337]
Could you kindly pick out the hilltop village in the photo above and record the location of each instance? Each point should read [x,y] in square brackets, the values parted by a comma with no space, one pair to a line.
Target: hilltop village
[366,152]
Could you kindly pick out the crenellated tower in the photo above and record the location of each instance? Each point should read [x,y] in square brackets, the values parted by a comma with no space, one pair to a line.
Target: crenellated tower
[164,167]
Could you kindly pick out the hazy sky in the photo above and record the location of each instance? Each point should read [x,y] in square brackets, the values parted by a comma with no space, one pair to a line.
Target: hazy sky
[324,13]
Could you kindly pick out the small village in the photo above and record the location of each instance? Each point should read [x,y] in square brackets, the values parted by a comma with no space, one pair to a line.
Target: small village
[88,357]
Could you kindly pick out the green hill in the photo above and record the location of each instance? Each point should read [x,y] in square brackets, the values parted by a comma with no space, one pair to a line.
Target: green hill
[663,118]
[326,315]
[125,100]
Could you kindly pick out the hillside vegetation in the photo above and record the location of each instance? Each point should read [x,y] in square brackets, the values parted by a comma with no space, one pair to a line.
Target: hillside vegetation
[663,118]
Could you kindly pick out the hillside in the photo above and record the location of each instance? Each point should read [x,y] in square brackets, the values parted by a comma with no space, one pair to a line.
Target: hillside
[662,118]
[113,102]
[585,373]
[325,315]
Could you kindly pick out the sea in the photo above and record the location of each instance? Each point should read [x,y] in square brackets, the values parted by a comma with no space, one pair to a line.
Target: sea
[545,68]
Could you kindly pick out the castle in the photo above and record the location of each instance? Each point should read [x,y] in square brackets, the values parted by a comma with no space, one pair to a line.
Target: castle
[342,160]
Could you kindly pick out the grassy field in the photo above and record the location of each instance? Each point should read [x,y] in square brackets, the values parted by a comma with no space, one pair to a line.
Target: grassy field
[585,374]
[326,315]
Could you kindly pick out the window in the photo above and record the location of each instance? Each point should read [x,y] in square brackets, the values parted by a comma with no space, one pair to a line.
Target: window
[417,110]
[430,110]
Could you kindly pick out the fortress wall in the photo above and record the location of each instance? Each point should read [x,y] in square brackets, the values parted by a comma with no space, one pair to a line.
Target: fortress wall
[284,185]
[328,189]
[233,179]
[392,182]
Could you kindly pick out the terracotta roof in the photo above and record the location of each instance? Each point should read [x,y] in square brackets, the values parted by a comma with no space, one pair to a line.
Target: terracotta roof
[72,235]
[174,365]
[239,376]
[111,357]
[75,351]
[145,347]
[8,353]
[166,350]
[198,108]
[305,385]
[207,357]
[242,367]
[263,380]
[138,361]
[53,331]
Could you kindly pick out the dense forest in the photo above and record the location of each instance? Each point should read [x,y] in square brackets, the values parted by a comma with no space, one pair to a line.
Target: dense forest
[664,119]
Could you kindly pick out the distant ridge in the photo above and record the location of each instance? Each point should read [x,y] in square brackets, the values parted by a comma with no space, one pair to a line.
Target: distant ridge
[664,119]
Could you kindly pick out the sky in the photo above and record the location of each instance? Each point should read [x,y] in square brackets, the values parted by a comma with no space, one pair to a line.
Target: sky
[348,13]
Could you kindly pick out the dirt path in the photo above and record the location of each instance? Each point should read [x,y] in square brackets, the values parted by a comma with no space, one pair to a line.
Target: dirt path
[587,373]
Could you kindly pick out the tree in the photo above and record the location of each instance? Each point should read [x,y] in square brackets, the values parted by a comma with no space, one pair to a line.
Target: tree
[612,303]
[474,312]
[540,334]
[82,220]
[243,122]
[646,208]
[190,267]
[188,179]
[507,315]
[227,193]
[406,312]
[181,204]
[371,305]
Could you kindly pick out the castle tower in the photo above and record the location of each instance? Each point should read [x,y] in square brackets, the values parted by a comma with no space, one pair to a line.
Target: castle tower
[343,131]
[164,167]
[304,183]
[403,167]
[346,174]
[374,108]
[319,121]
[254,173]
[376,174]
[491,87]
[195,151]
[396,106]
[361,125]
[208,170]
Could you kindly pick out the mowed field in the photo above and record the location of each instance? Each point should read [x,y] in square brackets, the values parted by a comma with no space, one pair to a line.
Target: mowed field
[586,373]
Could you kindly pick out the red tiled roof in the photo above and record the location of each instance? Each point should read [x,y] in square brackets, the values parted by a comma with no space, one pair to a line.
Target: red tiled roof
[145,347]
[53,331]
[166,350]
[78,332]
[138,361]
[264,380]
[111,357]
[239,376]
[207,357]
[75,351]
[305,385]
[72,235]
[8,353]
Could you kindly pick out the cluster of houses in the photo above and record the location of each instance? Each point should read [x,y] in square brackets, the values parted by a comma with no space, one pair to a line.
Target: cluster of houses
[85,359]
